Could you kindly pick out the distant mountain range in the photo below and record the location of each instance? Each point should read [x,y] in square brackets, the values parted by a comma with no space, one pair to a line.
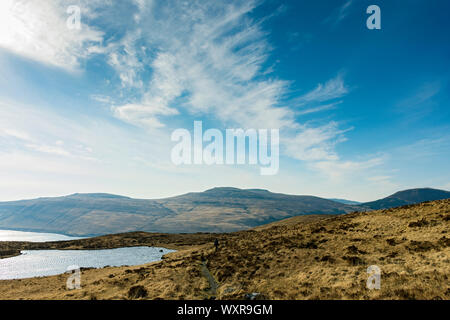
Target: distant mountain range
[214,210]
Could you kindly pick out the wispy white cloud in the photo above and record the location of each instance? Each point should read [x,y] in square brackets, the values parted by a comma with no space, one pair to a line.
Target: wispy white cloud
[145,115]
[340,169]
[318,108]
[339,14]
[421,102]
[57,150]
[26,130]
[143,6]
[425,148]
[102,98]
[315,143]
[127,59]
[332,89]
[343,11]
[38,31]
[426,92]
[211,55]
[208,61]
[203,58]
[40,145]
[12,132]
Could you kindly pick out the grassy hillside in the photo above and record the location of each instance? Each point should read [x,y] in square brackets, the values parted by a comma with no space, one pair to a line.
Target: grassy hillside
[314,259]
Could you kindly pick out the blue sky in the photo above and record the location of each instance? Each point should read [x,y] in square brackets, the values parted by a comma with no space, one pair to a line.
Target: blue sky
[362,113]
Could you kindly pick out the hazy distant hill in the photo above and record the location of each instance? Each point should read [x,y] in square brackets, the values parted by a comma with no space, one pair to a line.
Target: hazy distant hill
[405,197]
[344,201]
[215,210]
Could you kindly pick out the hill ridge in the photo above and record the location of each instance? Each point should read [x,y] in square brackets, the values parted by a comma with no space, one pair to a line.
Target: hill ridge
[220,209]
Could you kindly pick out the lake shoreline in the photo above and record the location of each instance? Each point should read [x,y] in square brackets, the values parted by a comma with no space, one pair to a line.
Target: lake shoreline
[44,263]
[10,249]
[45,231]
[6,254]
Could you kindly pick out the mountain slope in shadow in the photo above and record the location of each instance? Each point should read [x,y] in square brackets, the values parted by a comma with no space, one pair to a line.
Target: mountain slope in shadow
[215,210]
[406,197]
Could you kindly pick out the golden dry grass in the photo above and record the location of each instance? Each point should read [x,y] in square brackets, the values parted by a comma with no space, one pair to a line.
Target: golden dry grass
[320,259]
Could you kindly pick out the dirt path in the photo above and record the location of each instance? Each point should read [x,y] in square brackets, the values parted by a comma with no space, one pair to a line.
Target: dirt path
[212,282]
